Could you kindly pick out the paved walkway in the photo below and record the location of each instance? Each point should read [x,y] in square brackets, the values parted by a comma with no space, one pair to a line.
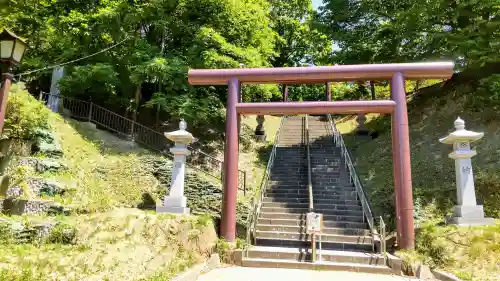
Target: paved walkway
[279,274]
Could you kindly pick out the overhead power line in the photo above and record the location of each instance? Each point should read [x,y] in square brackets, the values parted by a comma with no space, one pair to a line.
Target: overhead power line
[72,61]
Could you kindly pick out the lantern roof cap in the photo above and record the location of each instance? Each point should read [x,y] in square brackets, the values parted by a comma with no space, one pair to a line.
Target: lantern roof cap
[181,135]
[461,134]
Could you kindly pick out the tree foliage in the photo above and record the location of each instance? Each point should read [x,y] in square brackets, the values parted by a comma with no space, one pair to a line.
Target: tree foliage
[25,116]
[157,41]
[467,32]
[153,43]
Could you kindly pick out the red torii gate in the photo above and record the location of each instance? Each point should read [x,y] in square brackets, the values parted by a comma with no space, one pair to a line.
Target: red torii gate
[396,73]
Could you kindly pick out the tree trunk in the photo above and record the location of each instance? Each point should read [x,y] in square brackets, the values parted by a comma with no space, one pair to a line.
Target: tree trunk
[137,100]
[372,89]
[157,116]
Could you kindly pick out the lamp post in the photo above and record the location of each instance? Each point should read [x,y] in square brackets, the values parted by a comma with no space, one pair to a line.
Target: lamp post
[11,53]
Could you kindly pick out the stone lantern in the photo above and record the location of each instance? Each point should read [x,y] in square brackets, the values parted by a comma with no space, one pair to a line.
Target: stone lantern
[260,134]
[175,202]
[467,212]
[362,132]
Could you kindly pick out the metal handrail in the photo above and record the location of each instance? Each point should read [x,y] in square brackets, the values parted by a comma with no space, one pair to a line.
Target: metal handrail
[383,235]
[353,178]
[309,183]
[139,133]
[261,192]
[309,172]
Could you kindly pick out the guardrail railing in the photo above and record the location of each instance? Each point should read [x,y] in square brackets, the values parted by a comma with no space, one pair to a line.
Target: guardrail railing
[261,193]
[129,129]
[309,172]
[353,178]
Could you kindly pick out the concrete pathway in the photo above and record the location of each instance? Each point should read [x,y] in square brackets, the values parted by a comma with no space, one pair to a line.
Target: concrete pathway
[280,274]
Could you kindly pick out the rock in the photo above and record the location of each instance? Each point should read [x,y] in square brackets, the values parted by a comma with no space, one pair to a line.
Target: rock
[28,162]
[4,185]
[36,186]
[213,261]
[51,188]
[49,149]
[46,143]
[42,230]
[22,206]
[444,276]
[424,273]
[16,231]
[44,165]
[44,134]
[14,192]
[58,209]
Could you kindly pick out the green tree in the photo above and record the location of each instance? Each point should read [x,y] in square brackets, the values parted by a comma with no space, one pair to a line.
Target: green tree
[386,31]
[157,42]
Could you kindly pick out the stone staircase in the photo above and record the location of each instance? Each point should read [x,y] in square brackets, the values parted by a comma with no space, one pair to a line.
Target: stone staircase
[280,236]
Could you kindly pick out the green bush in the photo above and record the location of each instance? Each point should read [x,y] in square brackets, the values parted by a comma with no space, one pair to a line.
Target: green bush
[62,233]
[431,245]
[24,116]
[7,234]
[25,275]
[487,94]
[223,248]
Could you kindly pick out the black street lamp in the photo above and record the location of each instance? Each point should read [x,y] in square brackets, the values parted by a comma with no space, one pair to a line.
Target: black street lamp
[12,49]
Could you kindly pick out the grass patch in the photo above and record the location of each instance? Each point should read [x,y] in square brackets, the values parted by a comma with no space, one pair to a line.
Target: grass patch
[103,173]
[470,253]
[254,158]
[122,244]
[431,116]
[107,238]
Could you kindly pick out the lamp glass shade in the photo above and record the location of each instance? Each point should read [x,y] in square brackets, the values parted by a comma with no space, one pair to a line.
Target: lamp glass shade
[19,49]
[6,47]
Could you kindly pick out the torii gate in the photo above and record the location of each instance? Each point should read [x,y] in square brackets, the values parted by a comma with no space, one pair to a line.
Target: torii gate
[396,73]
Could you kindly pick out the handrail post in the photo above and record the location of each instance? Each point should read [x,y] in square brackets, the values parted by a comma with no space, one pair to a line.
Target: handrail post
[90,112]
[245,183]
[309,183]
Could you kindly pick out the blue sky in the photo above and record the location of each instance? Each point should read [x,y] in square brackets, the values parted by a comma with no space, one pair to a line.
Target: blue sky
[317,3]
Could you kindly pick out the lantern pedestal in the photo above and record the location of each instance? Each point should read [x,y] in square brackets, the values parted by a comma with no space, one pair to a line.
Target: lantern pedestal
[362,133]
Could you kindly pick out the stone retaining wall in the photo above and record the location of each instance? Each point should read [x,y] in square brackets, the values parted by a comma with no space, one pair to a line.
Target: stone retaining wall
[22,206]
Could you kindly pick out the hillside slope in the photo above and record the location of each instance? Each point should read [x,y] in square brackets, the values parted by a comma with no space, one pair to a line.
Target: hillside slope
[103,228]
[471,253]
[431,114]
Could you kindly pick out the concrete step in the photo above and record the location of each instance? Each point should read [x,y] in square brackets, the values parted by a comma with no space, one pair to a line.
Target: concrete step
[345,218]
[305,255]
[281,240]
[316,191]
[305,199]
[334,266]
[302,228]
[301,186]
[302,222]
[303,236]
[306,210]
[315,196]
[316,205]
